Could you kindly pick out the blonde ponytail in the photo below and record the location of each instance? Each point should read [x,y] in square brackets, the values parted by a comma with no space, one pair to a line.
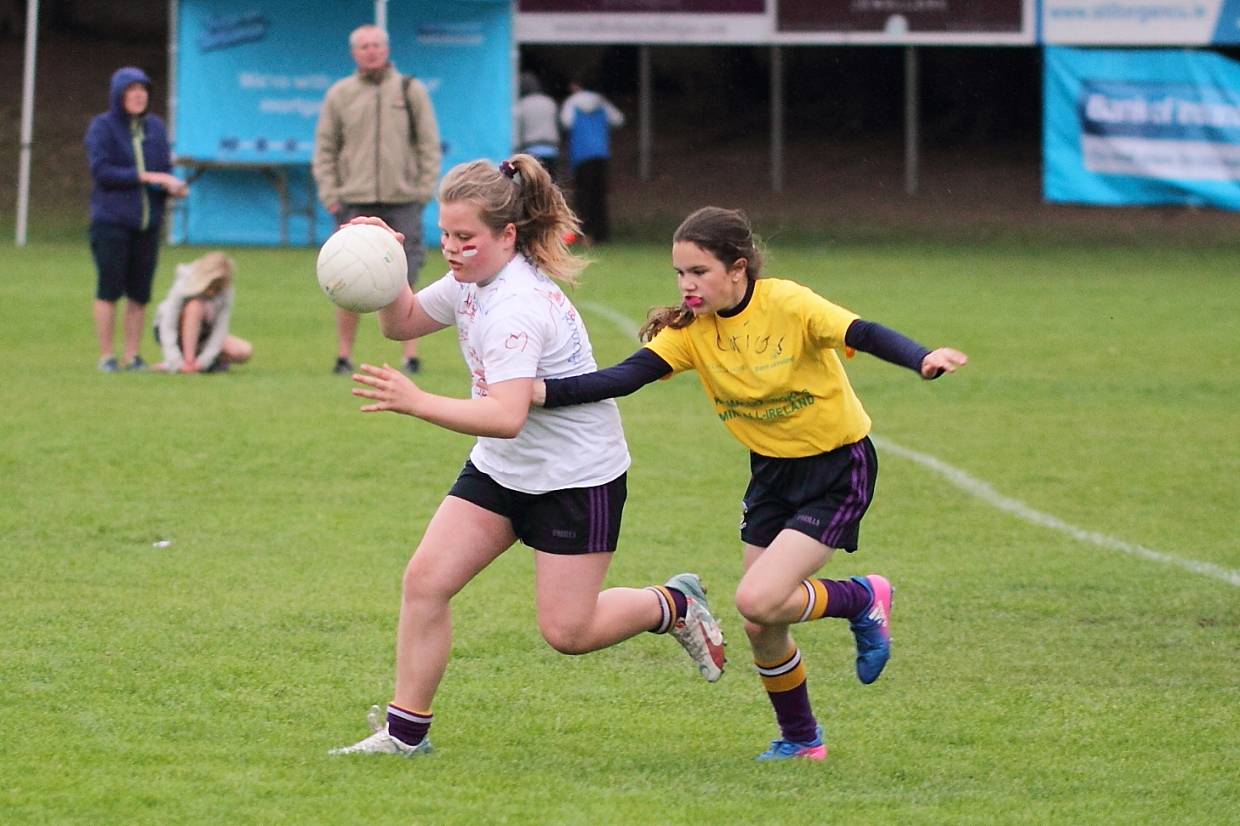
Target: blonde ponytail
[520,192]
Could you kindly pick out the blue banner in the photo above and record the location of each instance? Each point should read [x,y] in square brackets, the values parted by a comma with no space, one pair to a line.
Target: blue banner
[250,78]
[1151,126]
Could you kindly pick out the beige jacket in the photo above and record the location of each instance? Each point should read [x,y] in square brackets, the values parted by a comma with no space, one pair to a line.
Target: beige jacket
[362,149]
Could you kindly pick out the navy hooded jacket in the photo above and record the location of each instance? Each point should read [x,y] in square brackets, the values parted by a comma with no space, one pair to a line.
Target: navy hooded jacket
[117,194]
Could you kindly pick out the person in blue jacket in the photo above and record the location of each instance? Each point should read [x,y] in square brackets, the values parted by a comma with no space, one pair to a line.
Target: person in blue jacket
[131,163]
[588,118]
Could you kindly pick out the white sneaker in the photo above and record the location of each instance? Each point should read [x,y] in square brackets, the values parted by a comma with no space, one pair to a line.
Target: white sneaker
[380,742]
[698,632]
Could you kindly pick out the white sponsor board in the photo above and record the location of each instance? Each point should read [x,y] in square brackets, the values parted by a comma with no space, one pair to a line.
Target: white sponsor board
[1130,22]
[1185,160]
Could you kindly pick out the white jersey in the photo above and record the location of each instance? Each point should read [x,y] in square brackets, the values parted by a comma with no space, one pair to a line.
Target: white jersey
[521,325]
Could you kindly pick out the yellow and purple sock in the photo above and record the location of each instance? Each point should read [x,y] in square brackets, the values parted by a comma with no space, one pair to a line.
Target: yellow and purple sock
[785,685]
[672,603]
[409,727]
[844,598]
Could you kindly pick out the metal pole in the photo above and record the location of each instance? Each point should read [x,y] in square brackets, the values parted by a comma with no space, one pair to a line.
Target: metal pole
[777,119]
[645,125]
[911,117]
[381,14]
[173,23]
[514,91]
[177,206]
[27,133]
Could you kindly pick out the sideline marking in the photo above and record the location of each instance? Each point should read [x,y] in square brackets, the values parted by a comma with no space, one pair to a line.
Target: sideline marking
[623,322]
[982,490]
[1019,509]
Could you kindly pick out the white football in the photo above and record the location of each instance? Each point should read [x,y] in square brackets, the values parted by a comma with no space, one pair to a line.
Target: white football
[362,268]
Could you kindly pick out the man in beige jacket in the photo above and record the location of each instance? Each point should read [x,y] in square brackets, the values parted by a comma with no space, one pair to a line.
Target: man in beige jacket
[377,152]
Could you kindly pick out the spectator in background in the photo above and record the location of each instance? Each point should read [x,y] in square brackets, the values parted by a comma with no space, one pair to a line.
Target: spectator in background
[538,132]
[191,324]
[131,163]
[377,153]
[588,118]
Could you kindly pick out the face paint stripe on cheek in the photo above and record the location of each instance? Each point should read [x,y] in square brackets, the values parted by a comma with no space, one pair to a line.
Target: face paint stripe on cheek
[469,251]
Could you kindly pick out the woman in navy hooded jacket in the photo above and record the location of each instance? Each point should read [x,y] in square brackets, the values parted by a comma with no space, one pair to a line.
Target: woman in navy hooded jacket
[130,162]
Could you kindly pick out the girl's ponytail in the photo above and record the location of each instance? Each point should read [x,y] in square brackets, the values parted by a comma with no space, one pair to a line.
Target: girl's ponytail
[520,192]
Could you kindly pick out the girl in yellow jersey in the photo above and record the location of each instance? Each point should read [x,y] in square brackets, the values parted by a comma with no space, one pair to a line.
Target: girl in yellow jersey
[765,351]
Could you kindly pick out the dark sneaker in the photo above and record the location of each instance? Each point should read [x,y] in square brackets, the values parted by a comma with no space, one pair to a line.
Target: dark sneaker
[787,750]
[343,367]
[138,363]
[108,364]
[872,628]
[411,365]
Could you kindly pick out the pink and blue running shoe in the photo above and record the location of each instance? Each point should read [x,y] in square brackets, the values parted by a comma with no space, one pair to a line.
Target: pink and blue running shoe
[872,628]
[788,750]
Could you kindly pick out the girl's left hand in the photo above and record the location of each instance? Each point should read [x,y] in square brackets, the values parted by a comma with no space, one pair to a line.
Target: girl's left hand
[389,388]
[940,361]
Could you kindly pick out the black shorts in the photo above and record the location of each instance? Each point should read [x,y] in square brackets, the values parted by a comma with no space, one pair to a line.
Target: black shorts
[204,333]
[125,260]
[569,521]
[823,496]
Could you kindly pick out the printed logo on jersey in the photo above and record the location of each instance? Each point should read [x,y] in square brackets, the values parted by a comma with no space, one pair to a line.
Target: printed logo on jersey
[776,407]
[749,343]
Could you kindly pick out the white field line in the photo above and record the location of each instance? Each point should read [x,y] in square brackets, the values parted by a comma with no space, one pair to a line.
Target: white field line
[623,322]
[1019,509]
[982,490]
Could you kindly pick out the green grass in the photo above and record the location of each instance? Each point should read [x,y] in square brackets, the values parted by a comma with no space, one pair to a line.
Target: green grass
[1036,679]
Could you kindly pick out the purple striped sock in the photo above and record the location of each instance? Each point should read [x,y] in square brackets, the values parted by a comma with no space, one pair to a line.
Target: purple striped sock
[407,727]
[681,606]
[845,598]
[794,715]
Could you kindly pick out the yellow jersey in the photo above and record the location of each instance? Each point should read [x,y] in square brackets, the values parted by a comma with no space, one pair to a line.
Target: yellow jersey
[772,371]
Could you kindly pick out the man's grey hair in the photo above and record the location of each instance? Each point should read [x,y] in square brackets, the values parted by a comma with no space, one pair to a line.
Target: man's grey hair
[366,29]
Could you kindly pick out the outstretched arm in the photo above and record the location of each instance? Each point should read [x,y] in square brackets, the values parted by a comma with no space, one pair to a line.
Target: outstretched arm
[940,361]
[635,372]
[897,348]
[501,413]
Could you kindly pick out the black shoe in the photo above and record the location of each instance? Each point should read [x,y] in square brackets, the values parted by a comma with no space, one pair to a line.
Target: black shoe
[343,367]
[138,363]
[411,365]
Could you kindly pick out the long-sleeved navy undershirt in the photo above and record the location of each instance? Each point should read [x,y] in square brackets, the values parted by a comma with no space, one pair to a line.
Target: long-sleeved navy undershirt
[646,366]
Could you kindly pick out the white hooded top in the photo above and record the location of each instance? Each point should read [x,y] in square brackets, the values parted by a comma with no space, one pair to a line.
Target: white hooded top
[168,321]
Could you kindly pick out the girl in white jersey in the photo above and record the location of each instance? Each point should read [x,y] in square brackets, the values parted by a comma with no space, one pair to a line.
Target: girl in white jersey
[554,479]
[765,351]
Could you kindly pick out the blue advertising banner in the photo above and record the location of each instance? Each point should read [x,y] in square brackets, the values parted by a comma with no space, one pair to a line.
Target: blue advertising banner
[249,81]
[1149,126]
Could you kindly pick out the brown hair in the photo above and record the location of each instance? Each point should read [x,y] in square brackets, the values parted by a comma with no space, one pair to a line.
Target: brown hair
[725,234]
[521,193]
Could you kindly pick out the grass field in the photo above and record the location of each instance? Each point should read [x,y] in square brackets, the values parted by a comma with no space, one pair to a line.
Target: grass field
[1036,678]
